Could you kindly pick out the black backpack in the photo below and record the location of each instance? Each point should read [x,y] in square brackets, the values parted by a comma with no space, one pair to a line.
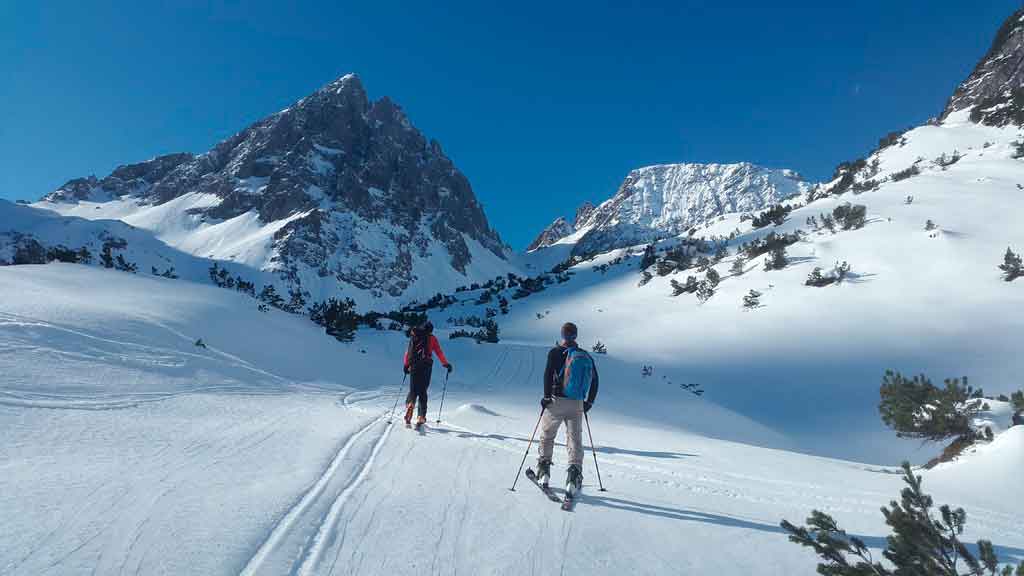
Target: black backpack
[419,348]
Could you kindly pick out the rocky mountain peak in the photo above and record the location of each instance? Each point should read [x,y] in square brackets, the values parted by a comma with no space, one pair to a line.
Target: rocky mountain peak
[994,92]
[330,172]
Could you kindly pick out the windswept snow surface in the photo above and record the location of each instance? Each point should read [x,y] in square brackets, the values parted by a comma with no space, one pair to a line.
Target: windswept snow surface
[128,449]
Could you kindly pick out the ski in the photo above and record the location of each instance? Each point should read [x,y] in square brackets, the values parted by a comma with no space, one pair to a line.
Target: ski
[569,501]
[545,489]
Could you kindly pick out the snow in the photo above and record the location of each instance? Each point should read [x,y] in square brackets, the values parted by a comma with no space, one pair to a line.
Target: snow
[127,448]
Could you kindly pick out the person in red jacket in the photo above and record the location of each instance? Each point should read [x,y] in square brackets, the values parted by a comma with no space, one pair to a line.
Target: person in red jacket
[419,363]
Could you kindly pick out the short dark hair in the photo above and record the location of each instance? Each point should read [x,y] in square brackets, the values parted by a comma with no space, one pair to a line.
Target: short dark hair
[570,331]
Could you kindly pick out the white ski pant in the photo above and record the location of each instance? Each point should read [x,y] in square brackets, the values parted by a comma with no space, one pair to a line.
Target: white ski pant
[571,412]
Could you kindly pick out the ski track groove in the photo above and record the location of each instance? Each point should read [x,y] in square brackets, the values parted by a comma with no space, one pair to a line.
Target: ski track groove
[294,518]
[327,531]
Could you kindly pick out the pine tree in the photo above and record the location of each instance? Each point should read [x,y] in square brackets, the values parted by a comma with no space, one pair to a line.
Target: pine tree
[340,319]
[649,257]
[929,225]
[705,290]
[665,267]
[777,259]
[296,301]
[600,348]
[270,297]
[645,277]
[920,545]
[915,408]
[815,278]
[752,300]
[712,277]
[677,288]
[691,285]
[106,258]
[1018,399]
[1012,266]
[721,253]
[737,266]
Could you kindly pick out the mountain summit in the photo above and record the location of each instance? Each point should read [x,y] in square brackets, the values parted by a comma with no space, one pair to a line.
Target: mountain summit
[333,189]
[666,200]
[994,92]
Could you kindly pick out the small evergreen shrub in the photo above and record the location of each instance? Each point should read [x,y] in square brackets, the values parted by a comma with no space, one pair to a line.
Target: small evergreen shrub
[921,544]
[906,173]
[1012,266]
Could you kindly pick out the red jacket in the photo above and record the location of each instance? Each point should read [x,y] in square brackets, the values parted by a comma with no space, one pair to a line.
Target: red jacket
[435,347]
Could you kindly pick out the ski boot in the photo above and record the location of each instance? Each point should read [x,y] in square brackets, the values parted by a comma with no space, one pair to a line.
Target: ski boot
[573,480]
[543,472]
[420,421]
[408,414]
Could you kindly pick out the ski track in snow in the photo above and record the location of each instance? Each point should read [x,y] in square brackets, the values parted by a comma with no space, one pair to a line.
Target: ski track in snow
[299,538]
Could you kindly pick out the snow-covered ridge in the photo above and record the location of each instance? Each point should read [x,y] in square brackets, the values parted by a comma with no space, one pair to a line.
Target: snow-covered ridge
[662,201]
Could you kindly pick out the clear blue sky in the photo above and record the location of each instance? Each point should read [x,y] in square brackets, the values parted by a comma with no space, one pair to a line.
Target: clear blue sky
[542,105]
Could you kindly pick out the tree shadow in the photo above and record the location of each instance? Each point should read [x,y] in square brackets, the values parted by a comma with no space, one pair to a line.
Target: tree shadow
[1005,553]
[855,278]
[599,449]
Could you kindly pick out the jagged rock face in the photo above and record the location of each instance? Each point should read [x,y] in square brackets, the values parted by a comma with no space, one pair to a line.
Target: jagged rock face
[663,201]
[124,180]
[995,90]
[582,214]
[553,233]
[363,192]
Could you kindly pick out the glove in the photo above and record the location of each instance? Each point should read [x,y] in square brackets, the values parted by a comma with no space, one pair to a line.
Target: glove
[448,367]
[545,402]
[405,369]
[587,406]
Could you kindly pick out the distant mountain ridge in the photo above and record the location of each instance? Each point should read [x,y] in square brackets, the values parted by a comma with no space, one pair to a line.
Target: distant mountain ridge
[345,191]
[656,202]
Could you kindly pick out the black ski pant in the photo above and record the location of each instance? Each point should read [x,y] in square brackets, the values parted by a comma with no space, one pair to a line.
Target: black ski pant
[419,381]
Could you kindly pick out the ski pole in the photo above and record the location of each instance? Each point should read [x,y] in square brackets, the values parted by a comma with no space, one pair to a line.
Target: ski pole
[397,396]
[523,463]
[594,452]
[443,392]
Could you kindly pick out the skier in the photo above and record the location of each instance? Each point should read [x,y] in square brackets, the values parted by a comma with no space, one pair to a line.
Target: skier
[570,387]
[418,364]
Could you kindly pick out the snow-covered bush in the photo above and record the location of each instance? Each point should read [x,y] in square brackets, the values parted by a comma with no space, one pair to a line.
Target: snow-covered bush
[752,300]
[705,290]
[920,543]
[599,348]
[850,216]
[945,161]
[913,170]
[774,215]
[836,274]
[689,288]
[1012,266]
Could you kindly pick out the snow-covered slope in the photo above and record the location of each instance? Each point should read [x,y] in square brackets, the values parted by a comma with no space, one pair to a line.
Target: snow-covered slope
[335,194]
[809,360]
[661,201]
[129,449]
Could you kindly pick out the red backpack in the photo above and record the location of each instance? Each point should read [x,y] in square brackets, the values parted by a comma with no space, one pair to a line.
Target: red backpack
[419,348]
